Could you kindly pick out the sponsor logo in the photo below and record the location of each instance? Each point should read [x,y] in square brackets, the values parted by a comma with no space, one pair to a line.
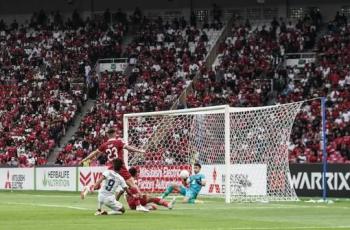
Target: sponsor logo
[56,178]
[154,186]
[86,179]
[157,178]
[240,183]
[8,183]
[14,181]
[337,181]
[214,186]
[159,172]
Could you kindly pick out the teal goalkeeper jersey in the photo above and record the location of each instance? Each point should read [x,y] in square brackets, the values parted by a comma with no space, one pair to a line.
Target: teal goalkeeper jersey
[195,182]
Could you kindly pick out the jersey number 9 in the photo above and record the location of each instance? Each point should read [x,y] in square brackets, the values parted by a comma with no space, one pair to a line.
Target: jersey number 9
[110,184]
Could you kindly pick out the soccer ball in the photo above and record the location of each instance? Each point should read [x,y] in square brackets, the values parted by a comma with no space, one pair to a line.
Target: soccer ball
[184,174]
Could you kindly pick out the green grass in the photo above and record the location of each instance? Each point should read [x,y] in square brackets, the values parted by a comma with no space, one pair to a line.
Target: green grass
[65,211]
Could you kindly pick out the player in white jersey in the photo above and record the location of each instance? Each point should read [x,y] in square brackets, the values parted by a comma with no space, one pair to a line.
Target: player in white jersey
[108,184]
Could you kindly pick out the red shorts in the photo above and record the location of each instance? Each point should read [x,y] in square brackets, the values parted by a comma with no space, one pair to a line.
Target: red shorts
[132,202]
[123,171]
[143,200]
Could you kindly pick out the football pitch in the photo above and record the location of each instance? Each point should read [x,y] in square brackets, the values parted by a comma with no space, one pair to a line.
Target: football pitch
[65,211]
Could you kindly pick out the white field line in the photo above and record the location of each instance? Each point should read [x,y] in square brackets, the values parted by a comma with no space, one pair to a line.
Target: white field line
[182,208]
[46,205]
[40,195]
[279,228]
[200,206]
[191,207]
[301,227]
[176,196]
[196,207]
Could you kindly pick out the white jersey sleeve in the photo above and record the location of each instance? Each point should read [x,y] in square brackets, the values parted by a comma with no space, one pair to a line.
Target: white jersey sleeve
[111,182]
[122,182]
[105,173]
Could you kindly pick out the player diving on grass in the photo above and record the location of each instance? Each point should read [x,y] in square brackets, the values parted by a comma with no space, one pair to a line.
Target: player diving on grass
[190,187]
[144,199]
[113,148]
[108,184]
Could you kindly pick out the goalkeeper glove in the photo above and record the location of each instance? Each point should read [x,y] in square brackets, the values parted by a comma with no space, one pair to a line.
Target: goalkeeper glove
[186,181]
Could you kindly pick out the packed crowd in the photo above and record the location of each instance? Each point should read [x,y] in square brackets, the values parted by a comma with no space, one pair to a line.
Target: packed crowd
[298,37]
[45,68]
[249,63]
[164,57]
[237,79]
[330,77]
[40,97]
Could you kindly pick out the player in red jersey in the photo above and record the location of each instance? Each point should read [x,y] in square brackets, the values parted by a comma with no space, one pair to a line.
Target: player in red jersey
[143,199]
[113,148]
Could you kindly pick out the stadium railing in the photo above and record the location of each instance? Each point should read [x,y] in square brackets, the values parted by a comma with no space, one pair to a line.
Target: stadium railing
[210,59]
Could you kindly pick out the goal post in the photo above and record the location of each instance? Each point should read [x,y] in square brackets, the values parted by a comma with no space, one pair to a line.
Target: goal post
[243,151]
[227,154]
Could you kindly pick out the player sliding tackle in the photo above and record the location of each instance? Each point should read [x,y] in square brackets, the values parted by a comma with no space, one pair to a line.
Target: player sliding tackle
[113,148]
[191,186]
[145,200]
[108,184]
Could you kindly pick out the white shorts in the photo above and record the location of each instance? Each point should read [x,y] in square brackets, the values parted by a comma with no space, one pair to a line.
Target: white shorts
[110,202]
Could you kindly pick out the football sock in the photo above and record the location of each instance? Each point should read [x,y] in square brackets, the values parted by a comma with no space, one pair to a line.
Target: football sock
[167,191]
[159,201]
[115,213]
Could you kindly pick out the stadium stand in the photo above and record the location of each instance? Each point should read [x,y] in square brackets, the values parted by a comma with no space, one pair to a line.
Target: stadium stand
[164,58]
[46,74]
[45,68]
[250,60]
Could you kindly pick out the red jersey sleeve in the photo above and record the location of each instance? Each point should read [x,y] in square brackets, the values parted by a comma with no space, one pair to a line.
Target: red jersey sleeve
[120,143]
[102,148]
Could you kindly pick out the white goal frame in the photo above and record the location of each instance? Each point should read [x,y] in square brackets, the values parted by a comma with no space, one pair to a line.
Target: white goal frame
[223,109]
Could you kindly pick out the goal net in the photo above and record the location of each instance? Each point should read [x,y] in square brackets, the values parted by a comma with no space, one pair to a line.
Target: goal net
[249,146]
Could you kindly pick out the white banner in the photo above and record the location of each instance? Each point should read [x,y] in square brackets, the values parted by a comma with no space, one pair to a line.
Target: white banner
[89,175]
[110,67]
[246,179]
[60,178]
[249,179]
[17,178]
[214,177]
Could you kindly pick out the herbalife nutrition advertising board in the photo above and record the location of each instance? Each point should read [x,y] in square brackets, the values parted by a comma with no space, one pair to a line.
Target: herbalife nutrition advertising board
[61,178]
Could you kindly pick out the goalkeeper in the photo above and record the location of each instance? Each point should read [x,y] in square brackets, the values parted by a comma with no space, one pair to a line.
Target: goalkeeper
[190,187]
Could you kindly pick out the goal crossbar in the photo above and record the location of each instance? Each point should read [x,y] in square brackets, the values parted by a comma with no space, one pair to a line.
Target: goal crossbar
[244,149]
